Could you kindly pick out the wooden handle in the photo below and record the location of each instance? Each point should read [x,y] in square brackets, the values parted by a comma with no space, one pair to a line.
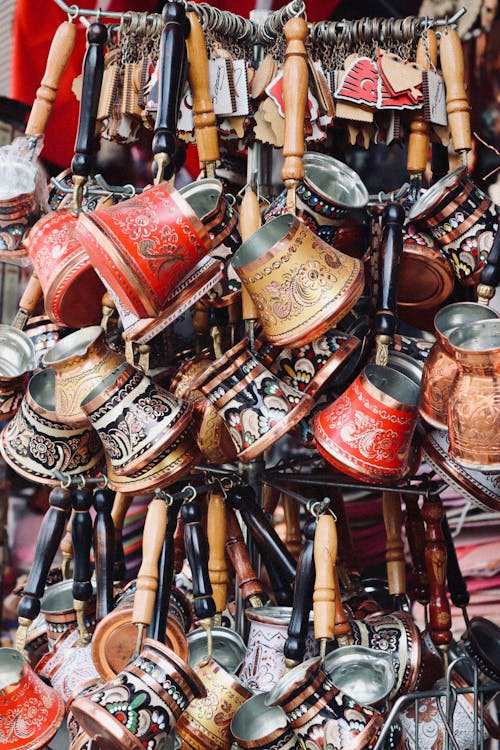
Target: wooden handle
[342,626]
[457,584]
[415,533]
[325,556]
[81,535]
[270,499]
[204,120]
[217,565]
[490,275]
[295,645]
[121,504]
[49,538]
[280,565]
[147,579]
[197,554]
[293,533]
[103,551]
[420,130]
[390,256]
[435,557]
[166,576]
[179,546]
[295,84]
[457,104]
[172,66]
[31,295]
[66,545]
[249,223]
[394,550]
[83,162]
[249,584]
[60,52]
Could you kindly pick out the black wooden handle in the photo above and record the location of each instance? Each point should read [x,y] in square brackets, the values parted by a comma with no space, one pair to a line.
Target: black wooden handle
[49,538]
[172,67]
[490,275]
[457,585]
[81,535]
[104,531]
[280,565]
[197,554]
[295,645]
[83,163]
[390,255]
[158,626]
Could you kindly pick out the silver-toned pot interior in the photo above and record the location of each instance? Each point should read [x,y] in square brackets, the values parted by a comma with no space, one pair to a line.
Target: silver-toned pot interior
[334,180]
[203,196]
[262,240]
[254,720]
[366,675]
[228,648]
[41,388]
[11,667]
[461,313]
[435,192]
[393,383]
[73,345]
[403,363]
[17,352]
[482,336]
[58,597]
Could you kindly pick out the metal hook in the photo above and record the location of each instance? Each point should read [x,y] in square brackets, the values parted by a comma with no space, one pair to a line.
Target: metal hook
[73,12]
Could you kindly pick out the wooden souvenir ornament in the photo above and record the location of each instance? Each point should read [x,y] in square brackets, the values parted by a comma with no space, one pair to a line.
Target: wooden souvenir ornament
[402,80]
[295,86]
[359,82]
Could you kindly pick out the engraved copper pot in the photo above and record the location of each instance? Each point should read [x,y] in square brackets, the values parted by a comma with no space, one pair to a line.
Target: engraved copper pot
[425,278]
[367,433]
[321,714]
[144,246]
[80,362]
[461,219]
[17,360]
[228,648]
[474,403]
[72,290]
[256,726]
[256,406]
[140,707]
[136,419]
[366,675]
[30,711]
[204,725]
[300,285]
[440,368]
[59,613]
[19,206]
[44,334]
[329,191]
[36,443]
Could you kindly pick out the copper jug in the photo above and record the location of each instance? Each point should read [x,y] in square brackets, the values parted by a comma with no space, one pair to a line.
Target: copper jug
[474,404]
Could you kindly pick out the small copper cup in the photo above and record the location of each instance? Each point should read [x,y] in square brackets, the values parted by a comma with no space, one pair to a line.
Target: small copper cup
[300,285]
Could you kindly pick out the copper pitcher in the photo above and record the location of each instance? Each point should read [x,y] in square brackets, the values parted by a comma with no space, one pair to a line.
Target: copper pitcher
[440,368]
[474,404]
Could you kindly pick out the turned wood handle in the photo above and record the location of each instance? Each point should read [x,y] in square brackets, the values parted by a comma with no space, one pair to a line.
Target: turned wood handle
[420,130]
[237,551]
[166,577]
[295,645]
[457,104]
[197,554]
[415,533]
[147,579]
[103,551]
[457,584]
[347,554]
[49,538]
[83,162]
[295,84]
[60,52]
[204,120]
[81,535]
[66,545]
[394,550]
[325,556]
[217,565]
[179,546]
[293,533]
[390,256]
[172,67]
[280,565]
[435,556]
[249,223]
[31,295]
[490,275]
[121,504]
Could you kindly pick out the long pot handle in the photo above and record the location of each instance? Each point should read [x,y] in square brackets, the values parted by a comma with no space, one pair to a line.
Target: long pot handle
[204,120]
[60,52]
[394,549]
[166,564]
[172,65]
[325,554]
[415,533]
[457,104]
[121,503]
[81,535]
[435,556]
[28,302]
[490,275]
[197,554]
[280,565]
[457,584]
[250,586]
[217,565]
[49,538]
[83,162]
[390,256]
[295,83]
[295,645]
[249,223]
[103,543]
[420,129]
